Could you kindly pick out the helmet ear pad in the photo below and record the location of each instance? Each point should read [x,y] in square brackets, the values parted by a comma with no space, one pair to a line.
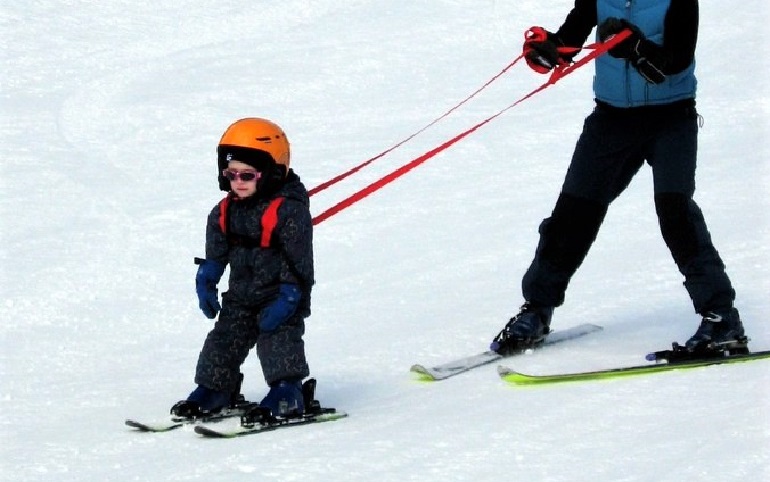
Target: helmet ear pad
[272,174]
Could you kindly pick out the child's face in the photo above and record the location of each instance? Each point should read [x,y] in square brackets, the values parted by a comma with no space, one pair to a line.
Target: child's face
[235,172]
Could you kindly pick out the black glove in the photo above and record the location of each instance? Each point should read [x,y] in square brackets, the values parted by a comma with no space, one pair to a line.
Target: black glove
[541,50]
[612,26]
[635,48]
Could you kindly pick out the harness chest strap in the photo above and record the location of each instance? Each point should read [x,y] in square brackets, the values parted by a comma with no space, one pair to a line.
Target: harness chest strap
[269,219]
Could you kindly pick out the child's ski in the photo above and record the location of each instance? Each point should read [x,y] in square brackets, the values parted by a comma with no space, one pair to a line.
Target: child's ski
[317,416]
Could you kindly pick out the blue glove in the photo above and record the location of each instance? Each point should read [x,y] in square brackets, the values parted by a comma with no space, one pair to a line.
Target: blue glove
[209,274]
[277,312]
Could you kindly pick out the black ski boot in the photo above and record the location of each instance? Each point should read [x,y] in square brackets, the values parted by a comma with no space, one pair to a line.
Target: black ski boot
[204,402]
[263,414]
[527,329]
[717,328]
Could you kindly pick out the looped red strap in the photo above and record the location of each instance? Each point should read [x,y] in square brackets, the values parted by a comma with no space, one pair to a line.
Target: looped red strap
[539,35]
[535,34]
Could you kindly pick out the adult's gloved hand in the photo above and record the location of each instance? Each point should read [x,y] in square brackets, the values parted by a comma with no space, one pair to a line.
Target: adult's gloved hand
[277,312]
[640,52]
[206,280]
[626,49]
[540,50]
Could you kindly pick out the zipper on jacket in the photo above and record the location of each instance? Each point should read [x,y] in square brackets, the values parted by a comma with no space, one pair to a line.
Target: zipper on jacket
[628,62]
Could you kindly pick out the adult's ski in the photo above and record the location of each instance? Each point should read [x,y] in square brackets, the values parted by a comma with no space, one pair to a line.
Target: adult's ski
[523,379]
[462,365]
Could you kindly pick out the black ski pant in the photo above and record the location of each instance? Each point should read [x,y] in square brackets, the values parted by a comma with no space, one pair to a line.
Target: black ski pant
[281,352]
[612,147]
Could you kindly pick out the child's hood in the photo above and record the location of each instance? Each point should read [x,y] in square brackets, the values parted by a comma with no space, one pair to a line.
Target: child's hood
[294,189]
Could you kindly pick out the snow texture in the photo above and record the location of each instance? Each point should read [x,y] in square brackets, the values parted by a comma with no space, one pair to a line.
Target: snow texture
[111,112]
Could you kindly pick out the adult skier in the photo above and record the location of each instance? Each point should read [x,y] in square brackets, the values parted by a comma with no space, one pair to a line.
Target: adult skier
[645,111]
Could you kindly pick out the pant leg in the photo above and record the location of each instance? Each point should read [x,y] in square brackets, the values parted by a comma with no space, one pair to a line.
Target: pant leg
[673,157]
[607,156]
[565,238]
[226,347]
[282,352]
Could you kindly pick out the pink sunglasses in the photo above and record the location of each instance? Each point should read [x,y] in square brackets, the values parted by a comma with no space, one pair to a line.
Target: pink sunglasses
[245,176]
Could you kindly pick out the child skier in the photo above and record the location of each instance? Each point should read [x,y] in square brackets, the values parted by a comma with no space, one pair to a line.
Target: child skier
[263,231]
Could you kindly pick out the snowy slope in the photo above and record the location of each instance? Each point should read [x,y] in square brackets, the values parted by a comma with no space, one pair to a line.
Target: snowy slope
[110,116]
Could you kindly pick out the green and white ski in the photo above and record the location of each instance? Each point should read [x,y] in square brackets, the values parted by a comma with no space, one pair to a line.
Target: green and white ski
[522,379]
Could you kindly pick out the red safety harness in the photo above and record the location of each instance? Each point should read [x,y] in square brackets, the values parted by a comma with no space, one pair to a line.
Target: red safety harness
[269,222]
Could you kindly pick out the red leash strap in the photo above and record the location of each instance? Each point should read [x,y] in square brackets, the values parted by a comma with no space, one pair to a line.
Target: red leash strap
[597,49]
[539,34]
[357,168]
[382,182]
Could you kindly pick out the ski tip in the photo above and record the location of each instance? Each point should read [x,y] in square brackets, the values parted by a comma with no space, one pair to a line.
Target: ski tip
[336,415]
[207,432]
[514,378]
[138,425]
[152,427]
[132,423]
[587,327]
[422,374]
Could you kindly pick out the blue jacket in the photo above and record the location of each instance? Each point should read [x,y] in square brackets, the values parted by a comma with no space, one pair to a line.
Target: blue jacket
[617,82]
[670,24]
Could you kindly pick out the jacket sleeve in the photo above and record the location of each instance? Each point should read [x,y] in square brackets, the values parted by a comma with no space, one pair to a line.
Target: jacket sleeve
[680,36]
[680,33]
[578,25]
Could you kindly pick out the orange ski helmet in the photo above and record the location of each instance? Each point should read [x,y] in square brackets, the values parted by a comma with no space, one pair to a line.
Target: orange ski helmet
[259,143]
